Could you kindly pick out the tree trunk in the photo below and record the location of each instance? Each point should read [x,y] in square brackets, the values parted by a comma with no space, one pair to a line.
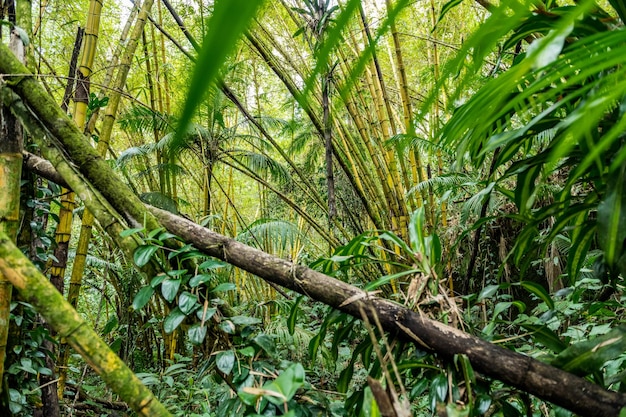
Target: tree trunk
[11,144]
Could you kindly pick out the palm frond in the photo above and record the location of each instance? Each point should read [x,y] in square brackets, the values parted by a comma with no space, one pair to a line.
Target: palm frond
[129,154]
[473,205]
[142,119]
[160,200]
[262,165]
[443,183]
[280,234]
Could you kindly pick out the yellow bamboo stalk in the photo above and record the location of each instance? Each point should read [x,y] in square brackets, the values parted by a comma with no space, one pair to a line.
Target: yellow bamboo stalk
[81,101]
[102,148]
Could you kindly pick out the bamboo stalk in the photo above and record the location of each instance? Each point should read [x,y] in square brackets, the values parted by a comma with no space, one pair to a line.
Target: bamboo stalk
[11,145]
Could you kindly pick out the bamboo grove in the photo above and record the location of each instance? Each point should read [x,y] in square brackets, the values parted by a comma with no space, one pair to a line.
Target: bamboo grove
[206,171]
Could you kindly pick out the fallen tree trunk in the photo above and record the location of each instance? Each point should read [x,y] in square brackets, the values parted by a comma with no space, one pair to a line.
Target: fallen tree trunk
[523,372]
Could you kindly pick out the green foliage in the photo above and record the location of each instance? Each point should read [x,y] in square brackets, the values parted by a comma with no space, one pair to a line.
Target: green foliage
[228,22]
[529,121]
[27,359]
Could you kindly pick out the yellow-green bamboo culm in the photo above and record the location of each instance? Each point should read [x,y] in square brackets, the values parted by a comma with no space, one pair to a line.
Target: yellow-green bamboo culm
[38,291]
[11,145]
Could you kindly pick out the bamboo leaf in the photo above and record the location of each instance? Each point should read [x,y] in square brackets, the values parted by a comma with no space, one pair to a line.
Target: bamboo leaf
[229,21]
[577,254]
[445,9]
[525,189]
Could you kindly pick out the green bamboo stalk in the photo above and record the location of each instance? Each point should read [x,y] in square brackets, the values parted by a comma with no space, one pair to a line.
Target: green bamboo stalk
[37,290]
[11,145]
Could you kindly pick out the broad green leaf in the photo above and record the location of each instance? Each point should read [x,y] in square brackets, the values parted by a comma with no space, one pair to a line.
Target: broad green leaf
[212,264]
[245,320]
[206,315]
[143,254]
[130,232]
[612,219]
[482,404]
[226,286]
[169,289]
[438,390]
[27,365]
[266,343]
[156,281]
[229,20]
[111,324]
[200,279]
[488,292]
[225,361]
[248,351]
[188,302]
[197,333]
[345,377]
[173,320]
[293,314]
[546,50]
[539,291]
[287,383]
[44,371]
[142,297]
[227,326]
[153,233]
[546,337]
[589,356]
